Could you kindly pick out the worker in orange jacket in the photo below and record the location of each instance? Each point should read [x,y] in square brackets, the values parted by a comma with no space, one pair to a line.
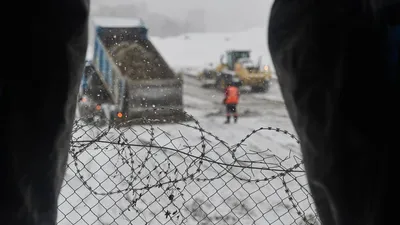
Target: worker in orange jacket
[231,100]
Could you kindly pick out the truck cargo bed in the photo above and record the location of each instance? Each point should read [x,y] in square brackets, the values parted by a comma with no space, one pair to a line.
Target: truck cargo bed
[135,75]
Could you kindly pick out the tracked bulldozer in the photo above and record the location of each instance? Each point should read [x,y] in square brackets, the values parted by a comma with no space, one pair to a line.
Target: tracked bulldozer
[238,66]
[128,81]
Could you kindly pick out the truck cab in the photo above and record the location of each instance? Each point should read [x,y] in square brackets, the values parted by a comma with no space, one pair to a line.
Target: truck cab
[232,56]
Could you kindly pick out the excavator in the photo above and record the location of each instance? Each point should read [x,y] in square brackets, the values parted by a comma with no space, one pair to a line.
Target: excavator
[238,66]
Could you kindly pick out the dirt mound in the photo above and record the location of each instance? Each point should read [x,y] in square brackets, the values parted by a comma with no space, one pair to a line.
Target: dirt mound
[138,62]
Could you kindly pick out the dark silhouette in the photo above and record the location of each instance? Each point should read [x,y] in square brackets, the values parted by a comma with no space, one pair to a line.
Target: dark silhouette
[335,66]
[38,109]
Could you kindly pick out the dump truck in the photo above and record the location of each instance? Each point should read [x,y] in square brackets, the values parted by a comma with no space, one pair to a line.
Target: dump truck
[127,78]
[238,66]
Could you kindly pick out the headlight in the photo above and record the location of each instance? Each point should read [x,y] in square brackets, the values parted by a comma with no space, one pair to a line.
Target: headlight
[266,68]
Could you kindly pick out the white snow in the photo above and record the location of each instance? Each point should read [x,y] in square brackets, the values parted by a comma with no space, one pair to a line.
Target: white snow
[104,170]
[117,22]
[112,181]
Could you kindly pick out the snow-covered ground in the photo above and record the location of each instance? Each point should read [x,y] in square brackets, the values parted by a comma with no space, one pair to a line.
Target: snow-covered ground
[205,173]
[210,179]
[134,185]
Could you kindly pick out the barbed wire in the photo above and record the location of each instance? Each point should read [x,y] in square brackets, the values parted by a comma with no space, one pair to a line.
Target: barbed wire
[182,174]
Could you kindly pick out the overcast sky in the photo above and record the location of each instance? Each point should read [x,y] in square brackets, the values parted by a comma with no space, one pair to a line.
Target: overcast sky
[249,13]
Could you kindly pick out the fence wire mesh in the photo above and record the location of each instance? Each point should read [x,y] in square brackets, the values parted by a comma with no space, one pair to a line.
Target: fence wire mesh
[183,174]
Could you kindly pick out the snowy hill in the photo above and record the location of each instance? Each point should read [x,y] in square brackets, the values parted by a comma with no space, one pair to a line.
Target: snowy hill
[199,49]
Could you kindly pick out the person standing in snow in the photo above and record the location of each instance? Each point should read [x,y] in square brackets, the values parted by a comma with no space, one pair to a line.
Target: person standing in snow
[231,100]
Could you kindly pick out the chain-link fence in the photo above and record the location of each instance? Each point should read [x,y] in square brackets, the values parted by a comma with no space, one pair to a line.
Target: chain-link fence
[183,174]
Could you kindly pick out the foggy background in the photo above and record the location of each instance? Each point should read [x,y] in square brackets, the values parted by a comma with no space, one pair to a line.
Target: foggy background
[173,17]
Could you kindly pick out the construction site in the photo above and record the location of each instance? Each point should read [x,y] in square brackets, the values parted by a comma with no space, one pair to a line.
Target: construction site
[127,80]
[150,104]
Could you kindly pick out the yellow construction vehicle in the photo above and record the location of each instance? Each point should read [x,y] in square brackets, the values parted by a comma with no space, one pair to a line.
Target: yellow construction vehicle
[238,67]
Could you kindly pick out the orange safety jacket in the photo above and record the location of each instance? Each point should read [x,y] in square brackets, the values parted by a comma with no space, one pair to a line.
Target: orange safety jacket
[231,95]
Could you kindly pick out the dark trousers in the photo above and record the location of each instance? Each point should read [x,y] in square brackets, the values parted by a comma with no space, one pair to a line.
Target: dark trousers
[231,110]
